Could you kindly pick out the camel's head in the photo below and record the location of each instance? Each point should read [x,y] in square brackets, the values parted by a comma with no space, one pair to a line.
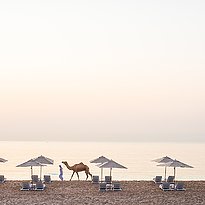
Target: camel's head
[64,162]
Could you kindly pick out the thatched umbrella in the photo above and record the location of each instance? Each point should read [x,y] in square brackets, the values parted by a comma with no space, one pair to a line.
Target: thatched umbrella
[163,160]
[31,163]
[112,164]
[44,161]
[3,160]
[175,163]
[100,160]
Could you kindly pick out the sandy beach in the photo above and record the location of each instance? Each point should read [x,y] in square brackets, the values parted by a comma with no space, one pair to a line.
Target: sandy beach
[84,192]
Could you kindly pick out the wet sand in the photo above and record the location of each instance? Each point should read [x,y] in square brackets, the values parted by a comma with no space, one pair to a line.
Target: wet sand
[84,192]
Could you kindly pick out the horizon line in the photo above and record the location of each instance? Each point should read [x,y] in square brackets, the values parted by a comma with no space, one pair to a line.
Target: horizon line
[109,141]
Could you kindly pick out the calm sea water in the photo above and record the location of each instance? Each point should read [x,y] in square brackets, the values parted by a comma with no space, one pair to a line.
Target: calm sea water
[135,156]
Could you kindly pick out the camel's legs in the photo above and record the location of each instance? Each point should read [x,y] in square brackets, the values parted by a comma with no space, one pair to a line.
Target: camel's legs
[72,175]
[87,175]
[90,175]
[77,175]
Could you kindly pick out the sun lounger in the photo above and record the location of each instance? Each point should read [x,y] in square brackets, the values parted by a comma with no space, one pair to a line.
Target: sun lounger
[158,179]
[109,187]
[2,179]
[179,187]
[47,178]
[35,178]
[165,186]
[116,186]
[170,179]
[95,179]
[40,186]
[102,187]
[108,179]
[25,186]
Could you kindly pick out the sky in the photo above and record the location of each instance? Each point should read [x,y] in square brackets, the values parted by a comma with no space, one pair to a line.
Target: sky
[112,70]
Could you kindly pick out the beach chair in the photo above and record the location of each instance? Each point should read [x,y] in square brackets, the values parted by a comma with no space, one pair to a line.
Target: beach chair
[39,186]
[25,186]
[35,178]
[157,179]
[47,178]
[179,187]
[108,179]
[165,186]
[95,179]
[170,179]
[2,179]
[102,187]
[117,186]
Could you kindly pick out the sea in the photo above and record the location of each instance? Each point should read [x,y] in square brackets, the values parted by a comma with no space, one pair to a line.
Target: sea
[137,157]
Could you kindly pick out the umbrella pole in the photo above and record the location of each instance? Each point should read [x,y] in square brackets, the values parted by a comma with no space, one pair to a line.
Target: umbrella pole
[174,173]
[111,174]
[31,175]
[40,172]
[101,174]
[31,172]
[165,174]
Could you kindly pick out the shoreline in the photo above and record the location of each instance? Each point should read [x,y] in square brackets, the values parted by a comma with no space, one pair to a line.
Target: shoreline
[140,180]
[84,192]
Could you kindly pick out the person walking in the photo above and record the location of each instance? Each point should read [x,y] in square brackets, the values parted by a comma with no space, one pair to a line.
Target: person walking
[61,173]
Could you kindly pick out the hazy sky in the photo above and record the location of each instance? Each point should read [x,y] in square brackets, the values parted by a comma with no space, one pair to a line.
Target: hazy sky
[102,70]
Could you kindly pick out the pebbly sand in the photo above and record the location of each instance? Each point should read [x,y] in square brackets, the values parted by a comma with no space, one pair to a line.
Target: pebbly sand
[84,192]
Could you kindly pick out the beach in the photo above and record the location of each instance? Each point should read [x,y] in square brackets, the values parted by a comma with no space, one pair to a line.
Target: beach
[137,157]
[84,192]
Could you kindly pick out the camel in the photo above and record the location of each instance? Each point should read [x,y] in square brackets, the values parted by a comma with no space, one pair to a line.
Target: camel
[78,168]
